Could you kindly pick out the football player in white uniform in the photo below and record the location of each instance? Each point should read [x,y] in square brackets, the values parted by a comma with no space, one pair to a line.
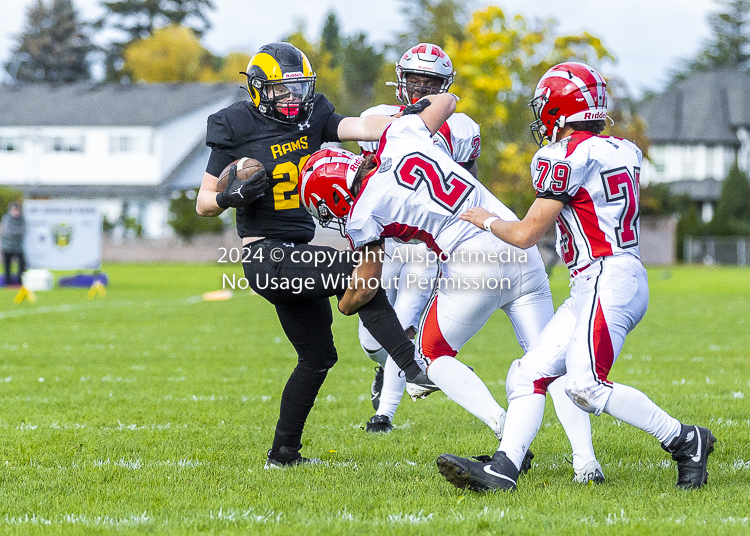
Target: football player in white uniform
[409,190]
[589,184]
[424,69]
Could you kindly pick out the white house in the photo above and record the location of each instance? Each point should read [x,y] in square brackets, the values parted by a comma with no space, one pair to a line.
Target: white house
[697,129]
[126,146]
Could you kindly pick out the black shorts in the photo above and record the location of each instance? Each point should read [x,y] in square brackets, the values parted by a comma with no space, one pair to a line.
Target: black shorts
[281,271]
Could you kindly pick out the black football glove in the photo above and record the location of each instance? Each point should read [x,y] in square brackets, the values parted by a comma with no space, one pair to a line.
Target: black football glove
[242,193]
[417,108]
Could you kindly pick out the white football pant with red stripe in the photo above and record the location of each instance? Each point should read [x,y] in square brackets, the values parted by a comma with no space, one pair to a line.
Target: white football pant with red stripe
[586,334]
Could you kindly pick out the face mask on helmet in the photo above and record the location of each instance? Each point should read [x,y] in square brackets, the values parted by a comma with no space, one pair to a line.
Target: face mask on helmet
[568,92]
[431,73]
[324,186]
[281,83]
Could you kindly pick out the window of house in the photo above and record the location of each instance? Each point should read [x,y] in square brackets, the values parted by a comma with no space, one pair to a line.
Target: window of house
[65,144]
[9,144]
[127,144]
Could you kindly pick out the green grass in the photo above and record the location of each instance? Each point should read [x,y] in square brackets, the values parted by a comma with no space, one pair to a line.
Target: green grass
[150,411]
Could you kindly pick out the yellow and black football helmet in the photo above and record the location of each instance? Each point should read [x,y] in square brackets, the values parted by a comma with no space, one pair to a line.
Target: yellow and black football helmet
[281,82]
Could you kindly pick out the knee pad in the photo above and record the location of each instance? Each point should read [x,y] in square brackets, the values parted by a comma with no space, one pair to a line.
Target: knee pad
[520,382]
[588,398]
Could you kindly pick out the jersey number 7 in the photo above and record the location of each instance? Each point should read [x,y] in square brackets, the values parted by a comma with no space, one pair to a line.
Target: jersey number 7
[620,185]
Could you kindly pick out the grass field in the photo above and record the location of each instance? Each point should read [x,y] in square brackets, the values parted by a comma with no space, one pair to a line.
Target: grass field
[150,411]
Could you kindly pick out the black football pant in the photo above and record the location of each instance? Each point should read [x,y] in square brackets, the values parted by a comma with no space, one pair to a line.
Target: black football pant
[288,276]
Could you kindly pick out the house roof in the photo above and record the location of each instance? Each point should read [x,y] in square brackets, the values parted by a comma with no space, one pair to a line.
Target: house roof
[106,104]
[706,108]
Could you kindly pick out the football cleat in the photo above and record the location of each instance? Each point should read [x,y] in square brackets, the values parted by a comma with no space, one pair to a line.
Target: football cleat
[288,457]
[376,387]
[499,474]
[379,424]
[420,387]
[525,464]
[590,474]
[690,450]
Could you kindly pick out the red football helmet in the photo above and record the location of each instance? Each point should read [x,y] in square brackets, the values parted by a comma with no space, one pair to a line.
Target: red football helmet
[566,93]
[324,185]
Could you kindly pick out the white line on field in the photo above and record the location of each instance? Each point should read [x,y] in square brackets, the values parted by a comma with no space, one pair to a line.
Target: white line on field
[66,308]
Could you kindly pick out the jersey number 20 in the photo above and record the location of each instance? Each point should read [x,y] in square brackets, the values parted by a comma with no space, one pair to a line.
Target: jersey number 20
[449,192]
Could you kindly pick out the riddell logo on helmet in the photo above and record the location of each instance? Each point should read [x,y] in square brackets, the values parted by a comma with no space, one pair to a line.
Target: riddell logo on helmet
[293,75]
[595,115]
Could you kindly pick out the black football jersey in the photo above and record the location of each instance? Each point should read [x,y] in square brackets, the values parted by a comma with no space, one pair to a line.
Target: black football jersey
[241,131]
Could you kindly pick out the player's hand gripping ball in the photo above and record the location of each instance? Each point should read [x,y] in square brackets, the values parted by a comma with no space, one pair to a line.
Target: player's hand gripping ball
[241,183]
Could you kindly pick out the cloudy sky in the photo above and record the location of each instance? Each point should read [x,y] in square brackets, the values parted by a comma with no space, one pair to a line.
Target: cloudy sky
[648,37]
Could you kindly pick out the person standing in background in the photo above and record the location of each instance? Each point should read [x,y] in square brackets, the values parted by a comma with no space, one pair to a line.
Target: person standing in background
[14,228]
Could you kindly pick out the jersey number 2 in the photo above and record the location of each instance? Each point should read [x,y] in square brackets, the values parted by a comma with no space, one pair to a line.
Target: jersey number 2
[449,192]
[285,191]
[619,185]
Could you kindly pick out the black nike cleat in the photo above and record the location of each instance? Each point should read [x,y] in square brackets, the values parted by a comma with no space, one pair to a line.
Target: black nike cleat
[690,450]
[525,464]
[499,474]
[379,424]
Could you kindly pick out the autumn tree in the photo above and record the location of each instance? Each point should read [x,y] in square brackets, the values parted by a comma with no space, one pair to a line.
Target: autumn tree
[434,21]
[170,54]
[174,54]
[54,46]
[499,63]
[138,19]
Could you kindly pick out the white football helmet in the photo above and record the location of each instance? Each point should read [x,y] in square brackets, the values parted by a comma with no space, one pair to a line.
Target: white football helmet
[424,59]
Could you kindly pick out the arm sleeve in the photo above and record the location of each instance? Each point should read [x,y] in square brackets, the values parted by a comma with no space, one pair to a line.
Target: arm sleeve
[219,138]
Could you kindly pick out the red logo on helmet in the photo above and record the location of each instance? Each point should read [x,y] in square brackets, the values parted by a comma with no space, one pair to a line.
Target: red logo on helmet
[594,116]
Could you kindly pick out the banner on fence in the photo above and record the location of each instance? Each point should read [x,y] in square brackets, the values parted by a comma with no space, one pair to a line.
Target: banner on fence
[63,235]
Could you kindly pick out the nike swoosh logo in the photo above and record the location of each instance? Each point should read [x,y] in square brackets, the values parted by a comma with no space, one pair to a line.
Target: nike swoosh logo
[697,457]
[489,471]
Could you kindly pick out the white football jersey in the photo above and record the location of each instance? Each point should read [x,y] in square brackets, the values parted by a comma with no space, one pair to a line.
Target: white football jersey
[597,177]
[418,193]
[458,136]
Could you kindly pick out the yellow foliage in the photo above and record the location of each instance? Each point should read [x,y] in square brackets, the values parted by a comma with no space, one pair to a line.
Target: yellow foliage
[498,65]
[170,54]
[233,65]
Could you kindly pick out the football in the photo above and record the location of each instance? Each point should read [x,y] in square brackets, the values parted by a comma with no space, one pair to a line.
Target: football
[246,168]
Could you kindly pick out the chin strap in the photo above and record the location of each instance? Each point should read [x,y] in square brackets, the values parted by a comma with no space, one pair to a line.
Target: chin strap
[559,125]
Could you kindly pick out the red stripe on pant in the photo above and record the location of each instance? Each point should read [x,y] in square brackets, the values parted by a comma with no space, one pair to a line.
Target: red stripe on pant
[604,354]
[541,385]
[434,344]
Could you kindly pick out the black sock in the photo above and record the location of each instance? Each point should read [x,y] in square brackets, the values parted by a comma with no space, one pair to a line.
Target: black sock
[381,321]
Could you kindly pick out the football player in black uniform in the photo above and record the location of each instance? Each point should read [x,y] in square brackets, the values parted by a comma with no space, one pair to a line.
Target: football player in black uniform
[282,124]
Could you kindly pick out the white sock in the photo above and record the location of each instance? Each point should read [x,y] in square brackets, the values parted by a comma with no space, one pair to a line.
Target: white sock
[379,355]
[575,422]
[521,425]
[461,385]
[394,383]
[633,407]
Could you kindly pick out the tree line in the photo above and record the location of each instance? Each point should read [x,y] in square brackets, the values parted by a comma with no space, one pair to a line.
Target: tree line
[498,56]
